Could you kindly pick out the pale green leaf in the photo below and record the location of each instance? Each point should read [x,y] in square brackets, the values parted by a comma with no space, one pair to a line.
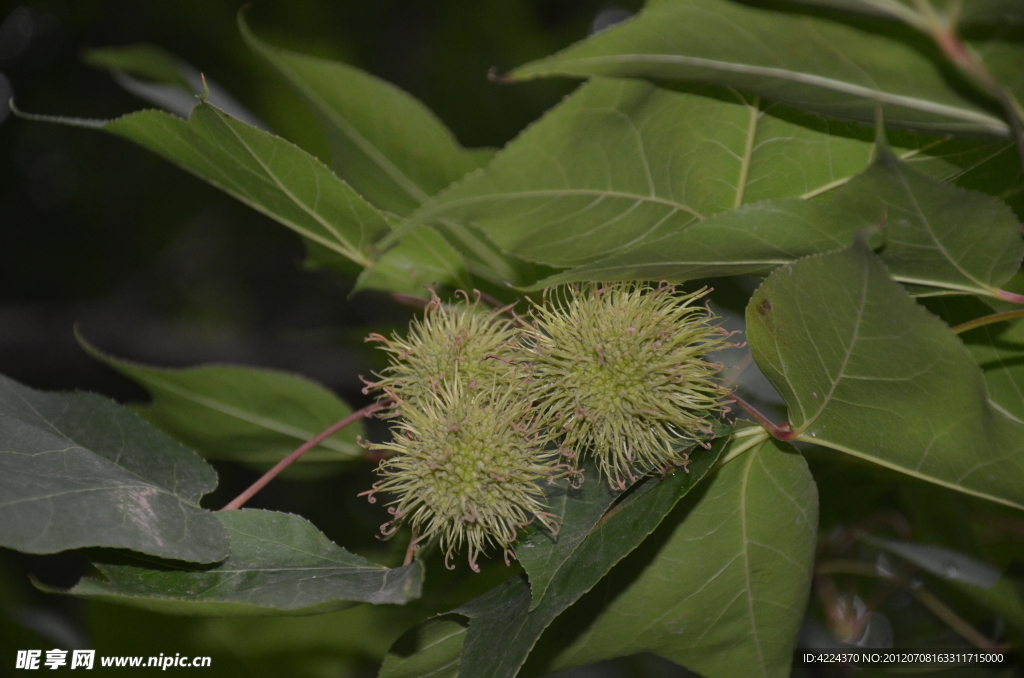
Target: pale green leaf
[936,237]
[421,260]
[79,470]
[866,370]
[725,594]
[620,163]
[279,563]
[239,413]
[843,70]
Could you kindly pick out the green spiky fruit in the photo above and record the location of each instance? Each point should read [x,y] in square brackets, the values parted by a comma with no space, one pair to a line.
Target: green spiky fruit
[620,368]
[466,466]
[464,340]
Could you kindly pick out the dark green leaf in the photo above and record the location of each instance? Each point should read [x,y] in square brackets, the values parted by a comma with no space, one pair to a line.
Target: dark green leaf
[578,509]
[936,237]
[262,170]
[866,370]
[279,563]
[241,413]
[841,70]
[726,593]
[79,470]
[387,145]
[430,650]
[943,562]
[503,629]
[613,167]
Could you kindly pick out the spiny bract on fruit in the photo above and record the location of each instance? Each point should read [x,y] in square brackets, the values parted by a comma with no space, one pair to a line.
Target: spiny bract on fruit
[619,369]
[467,467]
[464,340]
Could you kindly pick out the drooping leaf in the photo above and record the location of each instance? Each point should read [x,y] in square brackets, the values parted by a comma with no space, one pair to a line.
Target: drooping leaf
[725,594]
[159,77]
[387,144]
[943,562]
[429,650]
[503,628]
[840,69]
[937,238]
[279,563]
[422,259]
[79,470]
[266,172]
[622,163]
[241,414]
[865,370]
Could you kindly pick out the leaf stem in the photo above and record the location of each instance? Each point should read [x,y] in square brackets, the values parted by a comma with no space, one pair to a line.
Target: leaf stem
[783,432]
[987,320]
[964,58]
[238,501]
[926,598]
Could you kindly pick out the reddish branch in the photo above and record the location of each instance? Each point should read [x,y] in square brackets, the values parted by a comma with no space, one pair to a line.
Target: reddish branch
[781,432]
[238,501]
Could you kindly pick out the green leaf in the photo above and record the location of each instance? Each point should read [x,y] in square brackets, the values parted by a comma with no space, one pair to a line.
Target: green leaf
[266,172]
[503,629]
[159,77]
[542,554]
[965,11]
[866,370]
[422,259]
[997,348]
[79,470]
[387,145]
[241,413]
[142,60]
[429,650]
[843,70]
[725,595]
[937,237]
[613,167]
[279,563]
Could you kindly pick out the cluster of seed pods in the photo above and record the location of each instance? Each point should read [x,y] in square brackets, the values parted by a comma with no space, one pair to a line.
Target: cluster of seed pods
[489,406]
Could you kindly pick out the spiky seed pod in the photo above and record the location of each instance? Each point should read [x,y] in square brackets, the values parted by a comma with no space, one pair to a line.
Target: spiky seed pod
[466,466]
[475,343]
[620,367]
